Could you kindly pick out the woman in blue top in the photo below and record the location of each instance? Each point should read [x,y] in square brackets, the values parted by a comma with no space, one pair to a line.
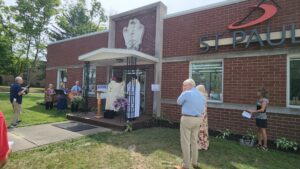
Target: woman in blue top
[261,118]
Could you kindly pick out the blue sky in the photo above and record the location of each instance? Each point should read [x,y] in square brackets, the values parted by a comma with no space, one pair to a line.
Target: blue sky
[117,6]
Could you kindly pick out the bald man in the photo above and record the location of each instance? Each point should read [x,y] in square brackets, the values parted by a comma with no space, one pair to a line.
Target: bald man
[193,106]
[16,93]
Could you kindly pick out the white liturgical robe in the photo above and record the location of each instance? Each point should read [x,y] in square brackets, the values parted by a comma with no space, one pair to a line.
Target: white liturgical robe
[114,91]
[133,108]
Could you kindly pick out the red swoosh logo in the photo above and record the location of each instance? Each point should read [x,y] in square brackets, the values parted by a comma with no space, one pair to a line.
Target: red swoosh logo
[270,11]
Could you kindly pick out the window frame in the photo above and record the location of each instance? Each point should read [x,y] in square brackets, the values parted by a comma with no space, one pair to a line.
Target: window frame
[288,79]
[83,81]
[210,61]
[58,76]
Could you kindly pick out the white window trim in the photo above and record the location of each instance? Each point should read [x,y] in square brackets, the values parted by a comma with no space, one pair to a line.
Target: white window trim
[57,76]
[289,58]
[206,61]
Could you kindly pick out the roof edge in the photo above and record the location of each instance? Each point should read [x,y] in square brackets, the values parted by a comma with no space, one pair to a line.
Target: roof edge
[142,8]
[203,8]
[77,37]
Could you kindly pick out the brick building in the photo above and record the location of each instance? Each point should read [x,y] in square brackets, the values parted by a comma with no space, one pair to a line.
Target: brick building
[231,61]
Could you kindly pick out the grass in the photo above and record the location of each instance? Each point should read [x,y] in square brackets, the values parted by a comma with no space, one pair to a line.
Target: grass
[156,148]
[32,89]
[32,113]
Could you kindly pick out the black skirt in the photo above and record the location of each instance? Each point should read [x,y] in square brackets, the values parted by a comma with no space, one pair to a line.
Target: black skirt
[262,123]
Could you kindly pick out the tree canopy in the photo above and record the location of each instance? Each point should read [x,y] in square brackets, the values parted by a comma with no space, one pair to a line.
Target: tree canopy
[27,27]
[77,19]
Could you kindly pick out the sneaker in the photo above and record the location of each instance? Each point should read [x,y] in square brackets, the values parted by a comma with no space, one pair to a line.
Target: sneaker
[19,121]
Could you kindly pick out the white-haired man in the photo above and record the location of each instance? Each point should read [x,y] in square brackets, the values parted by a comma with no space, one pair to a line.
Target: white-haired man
[76,89]
[16,93]
[193,105]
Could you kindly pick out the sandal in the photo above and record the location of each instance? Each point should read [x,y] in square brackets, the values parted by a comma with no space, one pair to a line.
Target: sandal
[258,146]
[264,148]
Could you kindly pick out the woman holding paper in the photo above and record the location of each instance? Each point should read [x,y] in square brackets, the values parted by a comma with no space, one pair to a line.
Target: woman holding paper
[4,147]
[261,118]
[203,142]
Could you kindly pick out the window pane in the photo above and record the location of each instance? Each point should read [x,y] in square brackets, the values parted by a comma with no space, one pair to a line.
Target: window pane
[61,78]
[92,81]
[209,75]
[295,82]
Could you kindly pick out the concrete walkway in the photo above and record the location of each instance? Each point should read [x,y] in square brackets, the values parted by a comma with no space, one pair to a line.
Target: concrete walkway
[35,136]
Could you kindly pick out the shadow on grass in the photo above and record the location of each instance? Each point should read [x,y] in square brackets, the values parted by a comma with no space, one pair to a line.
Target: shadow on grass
[159,148]
[221,154]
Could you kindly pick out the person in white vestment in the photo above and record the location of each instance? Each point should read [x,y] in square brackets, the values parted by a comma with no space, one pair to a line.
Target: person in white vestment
[134,95]
[114,91]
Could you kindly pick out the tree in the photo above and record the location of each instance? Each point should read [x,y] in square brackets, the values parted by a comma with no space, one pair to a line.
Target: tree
[77,19]
[5,43]
[32,18]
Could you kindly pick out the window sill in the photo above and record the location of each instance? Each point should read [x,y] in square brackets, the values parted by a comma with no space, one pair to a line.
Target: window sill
[214,101]
[271,109]
[235,106]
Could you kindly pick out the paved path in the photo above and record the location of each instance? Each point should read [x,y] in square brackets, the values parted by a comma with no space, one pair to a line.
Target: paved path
[35,136]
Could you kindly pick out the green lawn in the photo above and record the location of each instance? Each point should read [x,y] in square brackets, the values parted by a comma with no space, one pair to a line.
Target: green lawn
[32,113]
[156,148]
[32,89]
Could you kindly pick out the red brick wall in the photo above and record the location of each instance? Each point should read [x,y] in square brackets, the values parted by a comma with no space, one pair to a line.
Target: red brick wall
[67,53]
[51,78]
[148,19]
[74,74]
[173,74]
[171,112]
[279,125]
[243,76]
[92,102]
[181,33]
[101,75]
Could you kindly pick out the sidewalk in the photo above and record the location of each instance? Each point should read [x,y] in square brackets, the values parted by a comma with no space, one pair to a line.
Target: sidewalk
[35,136]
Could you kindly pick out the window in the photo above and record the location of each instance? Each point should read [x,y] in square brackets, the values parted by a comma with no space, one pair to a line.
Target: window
[62,78]
[210,74]
[294,81]
[92,81]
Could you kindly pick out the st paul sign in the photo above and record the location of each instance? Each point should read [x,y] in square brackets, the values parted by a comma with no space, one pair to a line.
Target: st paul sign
[237,36]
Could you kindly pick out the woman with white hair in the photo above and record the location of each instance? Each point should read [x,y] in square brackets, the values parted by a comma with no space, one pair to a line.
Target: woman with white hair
[203,141]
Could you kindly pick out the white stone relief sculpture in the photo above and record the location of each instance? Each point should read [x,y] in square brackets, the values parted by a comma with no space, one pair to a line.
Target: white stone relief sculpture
[133,34]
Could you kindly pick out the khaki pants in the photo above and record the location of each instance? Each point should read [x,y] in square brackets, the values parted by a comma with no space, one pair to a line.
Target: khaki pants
[189,130]
[17,112]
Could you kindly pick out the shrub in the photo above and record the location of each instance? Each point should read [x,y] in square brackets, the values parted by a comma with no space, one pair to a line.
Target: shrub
[283,143]
[224,134]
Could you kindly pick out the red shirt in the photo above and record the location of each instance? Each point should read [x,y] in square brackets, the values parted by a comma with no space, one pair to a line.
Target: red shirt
[3,138]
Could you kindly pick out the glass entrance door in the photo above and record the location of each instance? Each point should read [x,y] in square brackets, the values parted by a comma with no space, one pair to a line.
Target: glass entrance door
[141,76]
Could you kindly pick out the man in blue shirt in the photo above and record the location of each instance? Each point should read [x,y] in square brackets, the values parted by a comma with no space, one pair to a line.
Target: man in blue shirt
[16,93]
[76,89]
[193,105]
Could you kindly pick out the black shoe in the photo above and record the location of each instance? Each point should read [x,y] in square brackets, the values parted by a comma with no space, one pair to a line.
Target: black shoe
[19,121]
[196,166]
[12,126]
